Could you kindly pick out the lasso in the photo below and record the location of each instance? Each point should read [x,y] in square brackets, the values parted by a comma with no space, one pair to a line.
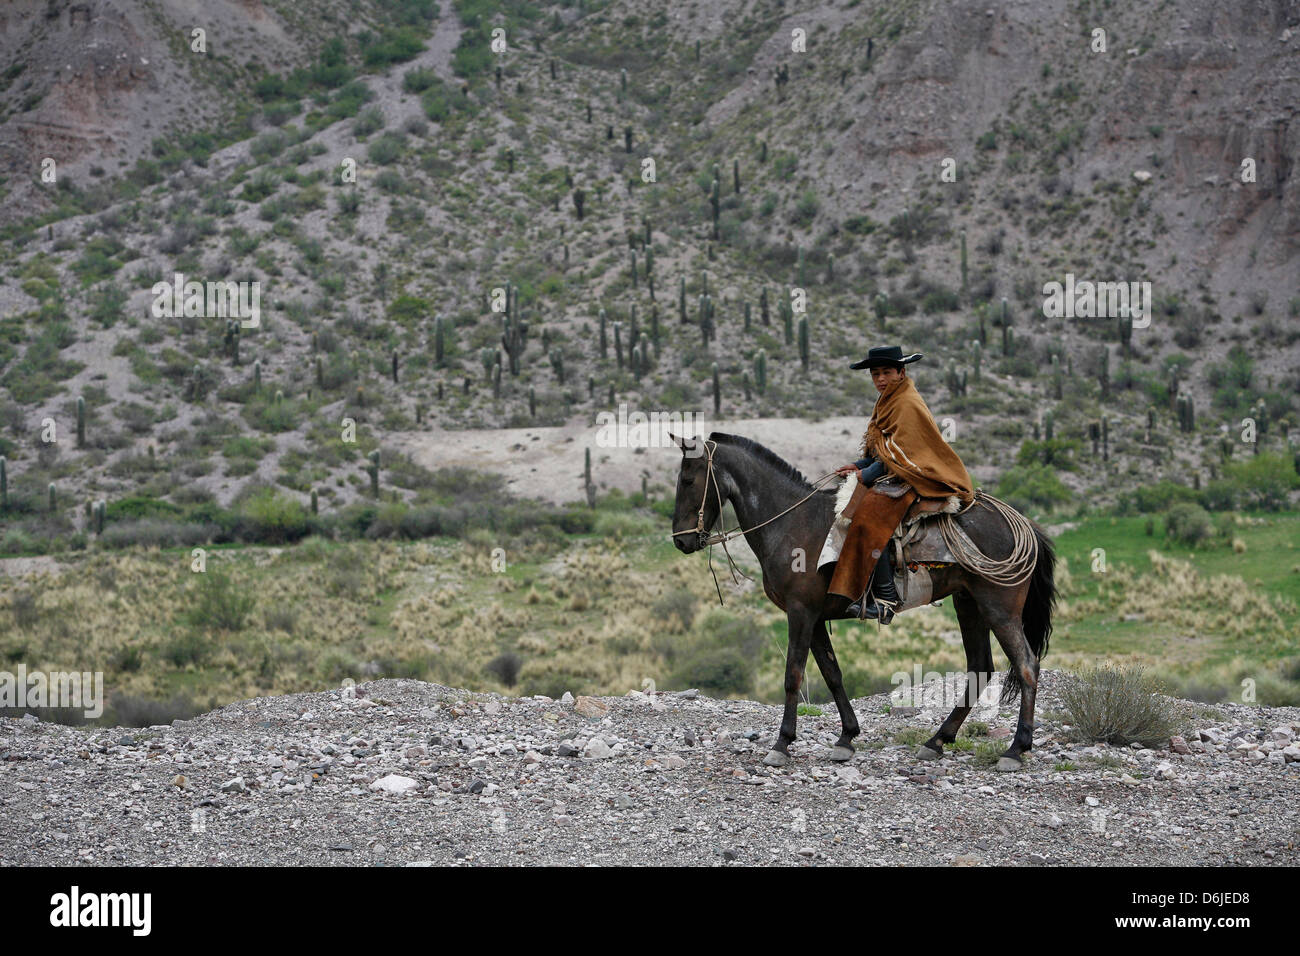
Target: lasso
[1011,571]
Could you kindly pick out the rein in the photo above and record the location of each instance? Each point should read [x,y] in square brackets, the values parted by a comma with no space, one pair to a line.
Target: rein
[723,537]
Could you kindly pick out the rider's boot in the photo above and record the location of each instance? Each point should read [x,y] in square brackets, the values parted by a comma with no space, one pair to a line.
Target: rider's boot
[882,587]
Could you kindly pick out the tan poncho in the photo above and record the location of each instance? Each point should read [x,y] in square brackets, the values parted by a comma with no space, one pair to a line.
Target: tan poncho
[903,435]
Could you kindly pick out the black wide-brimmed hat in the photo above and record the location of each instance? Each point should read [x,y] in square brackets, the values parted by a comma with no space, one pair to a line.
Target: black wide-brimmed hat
[887,356]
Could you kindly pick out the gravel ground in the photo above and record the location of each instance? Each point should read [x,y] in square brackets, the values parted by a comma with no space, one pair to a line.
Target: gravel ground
[402,772]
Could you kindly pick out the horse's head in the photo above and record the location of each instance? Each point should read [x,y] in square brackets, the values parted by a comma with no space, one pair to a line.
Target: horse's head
[701,489]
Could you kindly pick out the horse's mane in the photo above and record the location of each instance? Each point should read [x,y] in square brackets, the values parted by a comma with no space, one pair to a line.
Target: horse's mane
[767,456]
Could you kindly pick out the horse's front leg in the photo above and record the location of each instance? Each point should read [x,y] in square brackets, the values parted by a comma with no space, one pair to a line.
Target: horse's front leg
[824,655]
[801,622]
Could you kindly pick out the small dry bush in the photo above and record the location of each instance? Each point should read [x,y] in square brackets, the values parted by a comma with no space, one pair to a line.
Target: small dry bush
[1119,705]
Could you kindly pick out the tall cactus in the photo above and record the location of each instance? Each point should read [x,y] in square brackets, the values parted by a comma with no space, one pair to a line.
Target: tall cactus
[1006,329]
[760,371]
[956,382]
[81,422]
[604,342]
[681,299]
[965,285]
[439,343]
[977,355]
[373,468]
[717,393]
[514,339]
[762,307]
[803,342]
[713,203]
[735,175]
[4,483]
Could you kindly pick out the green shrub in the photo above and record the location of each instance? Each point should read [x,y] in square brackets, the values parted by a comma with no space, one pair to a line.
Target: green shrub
[392,46]
[720,657]
[1032,485]
[1261,481]
[218,603]
[385,150]
[269,145]
[1188,524]
[368,121]
[1150,499]
[349,100]
[806,208]
[418,80]
[273,517]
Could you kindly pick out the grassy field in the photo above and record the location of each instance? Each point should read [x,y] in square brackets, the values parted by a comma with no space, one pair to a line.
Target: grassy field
[608,611]
[1205,618]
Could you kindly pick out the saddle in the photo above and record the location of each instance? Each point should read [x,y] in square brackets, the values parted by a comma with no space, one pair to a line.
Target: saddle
[895,517]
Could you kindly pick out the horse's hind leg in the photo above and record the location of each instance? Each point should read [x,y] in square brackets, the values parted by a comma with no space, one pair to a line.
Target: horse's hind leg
[1024,676]
[801,622]
[824,655]
[979,669]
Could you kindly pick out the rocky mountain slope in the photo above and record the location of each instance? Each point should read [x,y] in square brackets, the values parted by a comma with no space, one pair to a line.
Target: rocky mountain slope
[401,772]
[1115,165]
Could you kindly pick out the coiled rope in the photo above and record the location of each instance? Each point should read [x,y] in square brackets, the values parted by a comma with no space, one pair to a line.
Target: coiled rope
[1011,571]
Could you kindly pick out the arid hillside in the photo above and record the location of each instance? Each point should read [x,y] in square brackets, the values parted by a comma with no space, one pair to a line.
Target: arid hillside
[707,207]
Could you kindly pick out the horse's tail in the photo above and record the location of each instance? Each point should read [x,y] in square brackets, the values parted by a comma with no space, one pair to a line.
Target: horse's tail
[1036,618]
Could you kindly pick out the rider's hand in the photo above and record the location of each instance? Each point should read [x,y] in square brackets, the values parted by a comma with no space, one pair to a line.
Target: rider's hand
[846,469]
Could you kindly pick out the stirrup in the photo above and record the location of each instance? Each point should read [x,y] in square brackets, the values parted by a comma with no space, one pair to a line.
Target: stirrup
[880,612]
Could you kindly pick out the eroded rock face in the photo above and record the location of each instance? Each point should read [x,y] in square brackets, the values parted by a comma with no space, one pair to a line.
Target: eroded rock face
[101,79]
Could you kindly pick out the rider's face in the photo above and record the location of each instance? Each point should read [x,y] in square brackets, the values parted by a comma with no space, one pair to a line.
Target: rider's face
[884,377]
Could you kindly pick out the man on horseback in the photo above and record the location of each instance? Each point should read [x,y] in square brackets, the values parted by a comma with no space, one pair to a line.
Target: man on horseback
[902,440]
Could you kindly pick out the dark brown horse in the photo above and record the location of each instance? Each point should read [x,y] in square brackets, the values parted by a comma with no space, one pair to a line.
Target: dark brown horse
[760,485]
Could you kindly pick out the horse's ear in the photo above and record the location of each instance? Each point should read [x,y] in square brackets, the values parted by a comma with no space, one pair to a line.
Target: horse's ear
[683,443]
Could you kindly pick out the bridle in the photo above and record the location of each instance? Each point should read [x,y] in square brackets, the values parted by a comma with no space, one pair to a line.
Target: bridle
[707,540]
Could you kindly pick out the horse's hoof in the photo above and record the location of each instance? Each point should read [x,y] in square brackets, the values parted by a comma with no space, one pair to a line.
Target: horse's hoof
[775,758]
[1007,764]
[927,753]
[841,754]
